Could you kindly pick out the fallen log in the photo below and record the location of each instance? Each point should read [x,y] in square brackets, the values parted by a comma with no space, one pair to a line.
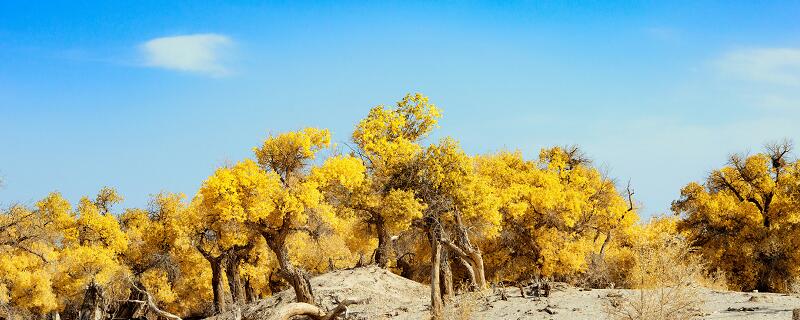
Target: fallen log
[291,310]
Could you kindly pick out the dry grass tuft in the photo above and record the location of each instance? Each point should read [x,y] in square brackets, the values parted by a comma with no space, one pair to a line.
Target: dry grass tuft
[668,276]
[463,307]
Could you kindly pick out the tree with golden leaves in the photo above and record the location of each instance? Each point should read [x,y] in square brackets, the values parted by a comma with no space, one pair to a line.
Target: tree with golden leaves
[745,219]
[219,221]
[558,212]
[388,143]
[285,162]
[157,259]
[89,275]
[459,208]
[27,257]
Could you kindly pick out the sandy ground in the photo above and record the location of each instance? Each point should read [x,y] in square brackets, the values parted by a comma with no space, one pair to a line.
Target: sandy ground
[574,303]
[390,296]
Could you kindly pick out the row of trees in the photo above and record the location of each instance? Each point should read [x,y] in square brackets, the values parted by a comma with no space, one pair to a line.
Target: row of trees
[427,211]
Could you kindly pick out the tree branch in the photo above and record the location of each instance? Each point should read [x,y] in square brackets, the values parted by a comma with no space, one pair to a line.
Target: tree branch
[153,305]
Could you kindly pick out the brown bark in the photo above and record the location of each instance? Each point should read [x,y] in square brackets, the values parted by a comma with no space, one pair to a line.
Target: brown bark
[217,287]
[472,257]
[603,247]
[446,276]
[297,278]
[234,279]
[480,272]
[405,264]
[91,307]
[134,307]
[470,273]
[469,253]
[383,251]
[436,255]
[275,284]
[249,291]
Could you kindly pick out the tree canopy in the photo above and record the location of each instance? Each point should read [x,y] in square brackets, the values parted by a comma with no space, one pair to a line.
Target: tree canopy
[427,210]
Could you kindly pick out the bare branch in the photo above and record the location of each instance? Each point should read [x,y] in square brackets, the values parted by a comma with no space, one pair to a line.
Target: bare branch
[152,305]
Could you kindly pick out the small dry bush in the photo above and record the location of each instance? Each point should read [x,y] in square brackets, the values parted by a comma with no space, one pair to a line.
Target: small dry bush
[606,273]
[668,276]
[463,307]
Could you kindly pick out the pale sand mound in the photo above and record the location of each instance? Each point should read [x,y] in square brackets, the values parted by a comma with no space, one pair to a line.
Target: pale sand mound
[386,295]
[389,296]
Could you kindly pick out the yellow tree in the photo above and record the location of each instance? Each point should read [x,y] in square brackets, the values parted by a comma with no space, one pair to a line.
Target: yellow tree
[745,219]
[225,202]
[285,161]
[463,202]
[154,257]
[557,213]
[459,205]
[387,141]
[27,253]
[88,265]
[361,212]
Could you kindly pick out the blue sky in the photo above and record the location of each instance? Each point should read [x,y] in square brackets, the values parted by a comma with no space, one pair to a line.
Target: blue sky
[153,95]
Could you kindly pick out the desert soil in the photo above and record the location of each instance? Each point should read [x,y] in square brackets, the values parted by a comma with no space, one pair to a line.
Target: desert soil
[390,296]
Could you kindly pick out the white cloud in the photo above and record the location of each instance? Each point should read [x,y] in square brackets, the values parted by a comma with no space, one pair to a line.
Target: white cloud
[198,53]
[771,65]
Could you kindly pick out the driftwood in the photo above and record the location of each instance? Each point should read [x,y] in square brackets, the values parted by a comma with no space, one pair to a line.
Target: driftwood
[304,309]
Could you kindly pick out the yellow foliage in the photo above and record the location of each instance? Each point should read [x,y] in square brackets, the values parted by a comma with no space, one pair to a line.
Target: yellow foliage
[745,219]
[555,213]
[555,216]
[288,152]
[389,137]
[241,193]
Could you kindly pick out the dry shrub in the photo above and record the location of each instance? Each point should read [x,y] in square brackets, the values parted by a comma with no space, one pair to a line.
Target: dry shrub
[463,307]
[668,276]
[609,272]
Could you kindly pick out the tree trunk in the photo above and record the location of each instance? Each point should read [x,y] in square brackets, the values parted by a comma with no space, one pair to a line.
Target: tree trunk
[603,247]
[446,276]
[473,257]
[249,292]
[275,284]
[383,251]
[406,267]
[477,264]
[296,277]
[302,286]
[216,285]
[134,307]
[469,252]
[234,279]
[436,255]
[470,273]
[91,308]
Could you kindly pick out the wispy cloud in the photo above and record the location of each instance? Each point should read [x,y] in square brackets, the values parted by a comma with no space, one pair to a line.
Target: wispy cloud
[773,65]
[197,53]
